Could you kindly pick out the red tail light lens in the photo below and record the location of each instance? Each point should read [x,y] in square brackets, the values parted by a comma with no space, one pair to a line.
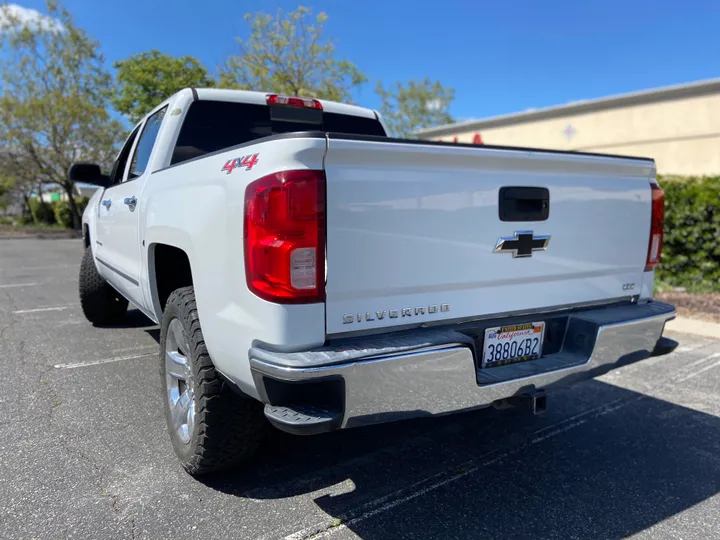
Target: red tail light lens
[657,222]
[293,101]
[285,237]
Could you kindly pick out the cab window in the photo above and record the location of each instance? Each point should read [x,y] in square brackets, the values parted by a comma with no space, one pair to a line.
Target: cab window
[149,135]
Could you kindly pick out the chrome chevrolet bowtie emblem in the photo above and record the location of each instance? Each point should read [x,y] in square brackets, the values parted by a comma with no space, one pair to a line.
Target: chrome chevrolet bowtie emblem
[522,244]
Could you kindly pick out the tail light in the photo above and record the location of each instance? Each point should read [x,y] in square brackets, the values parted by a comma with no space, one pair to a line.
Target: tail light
[657,221]
[292,101]
[285,237]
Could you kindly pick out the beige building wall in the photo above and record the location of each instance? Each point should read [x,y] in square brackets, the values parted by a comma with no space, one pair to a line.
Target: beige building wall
[682,135]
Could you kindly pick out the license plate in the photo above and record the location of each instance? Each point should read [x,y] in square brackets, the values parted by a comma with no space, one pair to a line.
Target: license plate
[511,344]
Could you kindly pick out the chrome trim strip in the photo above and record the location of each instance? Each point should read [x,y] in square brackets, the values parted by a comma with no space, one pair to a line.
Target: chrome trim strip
[118,272]
[444,380]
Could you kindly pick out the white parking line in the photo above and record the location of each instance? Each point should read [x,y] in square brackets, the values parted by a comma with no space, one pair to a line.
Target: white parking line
[699,371]
[548,432]
[103,361]
[320,530]
[11,285]
[688,348]
[702,360]
[39,310]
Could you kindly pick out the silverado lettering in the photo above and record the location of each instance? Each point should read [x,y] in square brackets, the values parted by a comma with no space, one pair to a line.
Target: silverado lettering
[349,318]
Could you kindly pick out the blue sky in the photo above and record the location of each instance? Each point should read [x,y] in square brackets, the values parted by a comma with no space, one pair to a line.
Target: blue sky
[500,56]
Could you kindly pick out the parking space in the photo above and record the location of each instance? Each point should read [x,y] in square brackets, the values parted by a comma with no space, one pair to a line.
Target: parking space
[84,452]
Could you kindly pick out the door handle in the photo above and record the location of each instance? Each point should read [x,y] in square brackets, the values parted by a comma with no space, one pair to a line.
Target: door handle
[131,202]
[107,203]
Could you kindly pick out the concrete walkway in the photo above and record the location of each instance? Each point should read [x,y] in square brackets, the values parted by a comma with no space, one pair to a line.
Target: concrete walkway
[694,326]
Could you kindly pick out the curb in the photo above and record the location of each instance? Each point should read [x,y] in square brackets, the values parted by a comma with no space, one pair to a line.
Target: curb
[694,326]
[61,235]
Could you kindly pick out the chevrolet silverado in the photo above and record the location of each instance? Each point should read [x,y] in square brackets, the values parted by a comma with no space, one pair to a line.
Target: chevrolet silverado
[309,272]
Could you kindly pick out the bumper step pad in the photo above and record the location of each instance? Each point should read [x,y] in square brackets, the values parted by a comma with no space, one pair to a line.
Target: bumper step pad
[303,419]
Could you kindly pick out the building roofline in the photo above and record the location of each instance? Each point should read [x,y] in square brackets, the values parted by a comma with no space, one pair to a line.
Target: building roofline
[654,95]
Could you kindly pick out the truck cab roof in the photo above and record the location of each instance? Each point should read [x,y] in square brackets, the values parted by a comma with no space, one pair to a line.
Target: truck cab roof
[260,98]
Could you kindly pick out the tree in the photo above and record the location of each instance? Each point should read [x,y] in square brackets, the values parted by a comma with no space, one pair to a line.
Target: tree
[7,188]
[288,53]
[147,79]
[16,187]
[53,99]
[409,107]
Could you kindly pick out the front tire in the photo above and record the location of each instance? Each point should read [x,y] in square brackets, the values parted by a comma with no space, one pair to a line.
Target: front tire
[211,427]
[101,304]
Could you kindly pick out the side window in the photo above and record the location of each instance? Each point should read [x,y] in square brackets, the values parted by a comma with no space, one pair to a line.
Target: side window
[119,166]
[145,145]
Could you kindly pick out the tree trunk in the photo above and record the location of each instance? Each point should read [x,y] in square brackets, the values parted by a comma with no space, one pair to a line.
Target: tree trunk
[77,218]
[47,210]
[26,200]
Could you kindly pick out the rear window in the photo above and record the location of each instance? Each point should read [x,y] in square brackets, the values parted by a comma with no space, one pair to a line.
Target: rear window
[215,125]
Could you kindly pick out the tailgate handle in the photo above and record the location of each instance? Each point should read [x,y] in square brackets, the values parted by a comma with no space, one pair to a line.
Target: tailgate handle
[524,203]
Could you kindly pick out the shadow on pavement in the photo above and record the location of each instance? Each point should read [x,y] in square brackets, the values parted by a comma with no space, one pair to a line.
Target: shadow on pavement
[631,463]
[134,318]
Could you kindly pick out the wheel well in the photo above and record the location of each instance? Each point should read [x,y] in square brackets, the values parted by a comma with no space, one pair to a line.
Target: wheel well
[86,236]
[172,271]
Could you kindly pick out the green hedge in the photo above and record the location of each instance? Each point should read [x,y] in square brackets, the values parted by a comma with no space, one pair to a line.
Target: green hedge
[63,213]
[691,248]
[45,213]
[42,212]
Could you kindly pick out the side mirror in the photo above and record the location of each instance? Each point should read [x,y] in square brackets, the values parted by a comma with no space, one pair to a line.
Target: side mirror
[88,173]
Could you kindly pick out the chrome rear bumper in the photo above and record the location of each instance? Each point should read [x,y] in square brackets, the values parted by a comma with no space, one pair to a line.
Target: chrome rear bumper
[445,379]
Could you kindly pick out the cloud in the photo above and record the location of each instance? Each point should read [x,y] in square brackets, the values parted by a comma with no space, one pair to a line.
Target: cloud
[12,14]
[434,105]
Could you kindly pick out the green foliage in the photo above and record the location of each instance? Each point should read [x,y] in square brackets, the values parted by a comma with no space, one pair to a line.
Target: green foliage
[24,220]
[42,212]
[691,248]
[6,183]
[53,99]
[63,212]
[289,54]
[147,79]
[409,107]
[7,187]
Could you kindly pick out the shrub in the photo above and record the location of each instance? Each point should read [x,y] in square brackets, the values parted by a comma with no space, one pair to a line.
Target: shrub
[24,220]
[691,248]
[63,213]
[42,212]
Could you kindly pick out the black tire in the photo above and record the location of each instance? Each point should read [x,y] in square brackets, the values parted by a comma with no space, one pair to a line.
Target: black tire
[101,304]
[227,428]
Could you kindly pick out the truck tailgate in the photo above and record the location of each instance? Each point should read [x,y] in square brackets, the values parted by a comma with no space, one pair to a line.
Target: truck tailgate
[412,231]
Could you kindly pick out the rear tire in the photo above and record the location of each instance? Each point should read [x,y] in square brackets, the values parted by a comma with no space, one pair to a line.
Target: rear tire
[211,427]
[101,304]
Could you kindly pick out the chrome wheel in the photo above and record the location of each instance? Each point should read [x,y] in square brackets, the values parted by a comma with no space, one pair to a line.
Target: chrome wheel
[179,379]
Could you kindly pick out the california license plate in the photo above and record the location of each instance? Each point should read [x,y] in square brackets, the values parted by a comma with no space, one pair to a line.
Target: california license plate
[511,344]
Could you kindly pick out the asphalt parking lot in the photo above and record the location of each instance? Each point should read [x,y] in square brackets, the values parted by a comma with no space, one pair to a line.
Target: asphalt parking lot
[84,453]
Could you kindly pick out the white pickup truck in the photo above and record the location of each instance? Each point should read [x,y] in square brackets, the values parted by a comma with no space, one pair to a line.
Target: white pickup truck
[309,271]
